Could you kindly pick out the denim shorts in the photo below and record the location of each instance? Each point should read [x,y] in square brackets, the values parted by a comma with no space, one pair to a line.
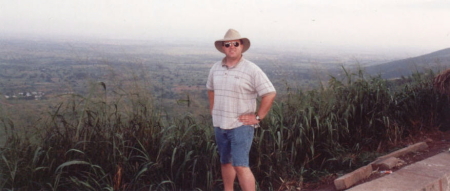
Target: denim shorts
[234,144]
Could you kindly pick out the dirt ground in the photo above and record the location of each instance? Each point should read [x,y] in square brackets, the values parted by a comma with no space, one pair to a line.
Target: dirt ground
[437,142]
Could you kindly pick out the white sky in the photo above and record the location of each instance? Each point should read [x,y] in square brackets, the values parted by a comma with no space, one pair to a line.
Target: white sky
[423,24]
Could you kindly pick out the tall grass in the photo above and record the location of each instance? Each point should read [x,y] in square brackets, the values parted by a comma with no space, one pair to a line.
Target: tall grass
[92,143]
[116,139]
[342,125]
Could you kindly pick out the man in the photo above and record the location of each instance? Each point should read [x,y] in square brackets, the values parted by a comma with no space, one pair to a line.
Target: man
[233,87]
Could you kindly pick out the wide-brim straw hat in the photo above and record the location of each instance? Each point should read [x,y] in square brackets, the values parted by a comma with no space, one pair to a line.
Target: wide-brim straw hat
[232,35]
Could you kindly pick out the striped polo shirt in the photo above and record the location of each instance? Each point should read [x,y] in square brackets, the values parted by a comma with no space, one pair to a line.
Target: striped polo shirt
[235,91]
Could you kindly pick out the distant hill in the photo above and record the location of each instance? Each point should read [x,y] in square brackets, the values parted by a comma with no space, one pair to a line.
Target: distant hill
[436,61]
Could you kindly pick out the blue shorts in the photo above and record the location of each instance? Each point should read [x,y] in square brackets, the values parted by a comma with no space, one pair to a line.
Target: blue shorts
[234,144]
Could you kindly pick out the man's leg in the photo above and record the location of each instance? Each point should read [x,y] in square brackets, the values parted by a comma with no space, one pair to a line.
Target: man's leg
[246,178]
[241,143]
[224,147]
[228,176]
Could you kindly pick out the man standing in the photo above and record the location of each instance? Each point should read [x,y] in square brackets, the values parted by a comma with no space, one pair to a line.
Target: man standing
[233,87]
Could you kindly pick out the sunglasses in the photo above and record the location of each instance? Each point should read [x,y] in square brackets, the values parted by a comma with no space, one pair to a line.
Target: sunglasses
[228,44]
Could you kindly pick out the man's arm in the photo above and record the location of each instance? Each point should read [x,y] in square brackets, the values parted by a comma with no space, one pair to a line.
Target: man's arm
[266,104]
[264,108]
[211,100]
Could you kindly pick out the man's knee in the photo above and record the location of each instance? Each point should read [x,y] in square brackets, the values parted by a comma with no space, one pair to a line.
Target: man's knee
[242,170]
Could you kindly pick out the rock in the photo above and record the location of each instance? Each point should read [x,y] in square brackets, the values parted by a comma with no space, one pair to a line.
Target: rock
[388,164]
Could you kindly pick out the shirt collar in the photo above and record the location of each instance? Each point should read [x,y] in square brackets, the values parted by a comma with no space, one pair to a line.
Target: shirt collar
[224,65]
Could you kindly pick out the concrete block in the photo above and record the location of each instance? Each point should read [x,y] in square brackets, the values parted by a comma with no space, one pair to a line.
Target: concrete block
[412,148]
[352,178]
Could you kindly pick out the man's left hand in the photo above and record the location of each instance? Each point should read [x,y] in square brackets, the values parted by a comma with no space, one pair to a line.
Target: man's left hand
[248,119]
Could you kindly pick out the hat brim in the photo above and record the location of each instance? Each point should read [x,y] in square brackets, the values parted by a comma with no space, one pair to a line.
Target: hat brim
[245,41]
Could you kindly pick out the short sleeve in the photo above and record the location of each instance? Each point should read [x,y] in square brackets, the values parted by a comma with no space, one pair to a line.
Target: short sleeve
[262,83]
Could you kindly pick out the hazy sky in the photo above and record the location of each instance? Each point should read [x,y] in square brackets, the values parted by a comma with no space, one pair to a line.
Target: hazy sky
[379,23]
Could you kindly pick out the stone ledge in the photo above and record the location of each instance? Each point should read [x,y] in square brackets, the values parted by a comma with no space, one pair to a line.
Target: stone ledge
[350,179]
[409,149]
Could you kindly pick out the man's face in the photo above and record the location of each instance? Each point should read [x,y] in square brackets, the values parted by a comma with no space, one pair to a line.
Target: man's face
[230,49]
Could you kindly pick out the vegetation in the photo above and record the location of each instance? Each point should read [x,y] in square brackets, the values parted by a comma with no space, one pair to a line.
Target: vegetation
[114,138]
[135,117]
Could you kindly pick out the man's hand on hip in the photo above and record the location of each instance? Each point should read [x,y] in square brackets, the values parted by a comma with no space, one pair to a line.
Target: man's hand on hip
[248,119]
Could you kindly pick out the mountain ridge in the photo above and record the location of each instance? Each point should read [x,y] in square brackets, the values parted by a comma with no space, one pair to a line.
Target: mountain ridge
[435,61]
